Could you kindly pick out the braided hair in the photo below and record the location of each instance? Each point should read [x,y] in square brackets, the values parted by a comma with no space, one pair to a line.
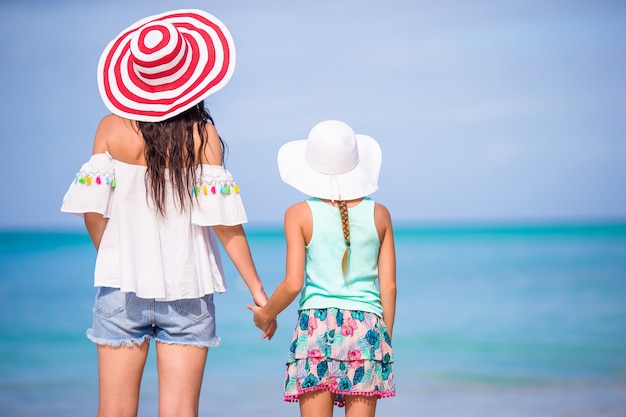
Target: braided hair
[345,224]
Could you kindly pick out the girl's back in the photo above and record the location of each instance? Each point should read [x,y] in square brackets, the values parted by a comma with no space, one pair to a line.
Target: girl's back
[326,285]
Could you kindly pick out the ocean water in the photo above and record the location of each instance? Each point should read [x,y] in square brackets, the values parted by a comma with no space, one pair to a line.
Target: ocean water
[491,321]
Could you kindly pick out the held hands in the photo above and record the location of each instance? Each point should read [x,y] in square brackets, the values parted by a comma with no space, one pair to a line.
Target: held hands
[268,325]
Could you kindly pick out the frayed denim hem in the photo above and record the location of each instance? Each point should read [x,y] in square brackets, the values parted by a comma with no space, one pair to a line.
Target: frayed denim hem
[117,343]
[214,342]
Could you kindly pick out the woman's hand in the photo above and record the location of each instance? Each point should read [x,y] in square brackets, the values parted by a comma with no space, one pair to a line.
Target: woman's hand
[267,324]
[260,299]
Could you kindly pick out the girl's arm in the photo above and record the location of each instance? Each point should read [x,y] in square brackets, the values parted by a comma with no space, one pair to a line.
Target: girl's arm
[386,265]
[284,294]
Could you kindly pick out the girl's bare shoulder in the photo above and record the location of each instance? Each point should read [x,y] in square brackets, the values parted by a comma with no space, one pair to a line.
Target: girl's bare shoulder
[299,222]
[298,209]
[381,211]
[382,218]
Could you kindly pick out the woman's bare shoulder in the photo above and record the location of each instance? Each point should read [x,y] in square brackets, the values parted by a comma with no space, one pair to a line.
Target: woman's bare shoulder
[112,123]
[213,150]
[121,138]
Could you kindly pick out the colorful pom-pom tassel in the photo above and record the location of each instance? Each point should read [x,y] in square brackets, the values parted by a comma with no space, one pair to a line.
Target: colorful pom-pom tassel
[236,189]
[88,180]
[98,180]
[113,183]
[213,189]
[82,180]
[204,190]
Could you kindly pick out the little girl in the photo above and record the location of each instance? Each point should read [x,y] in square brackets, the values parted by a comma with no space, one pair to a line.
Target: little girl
[339,243]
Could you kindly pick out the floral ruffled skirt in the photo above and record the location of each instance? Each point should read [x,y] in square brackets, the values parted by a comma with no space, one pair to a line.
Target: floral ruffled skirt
[345,352]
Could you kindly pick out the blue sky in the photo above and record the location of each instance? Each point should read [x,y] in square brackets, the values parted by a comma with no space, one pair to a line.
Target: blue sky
[485,110]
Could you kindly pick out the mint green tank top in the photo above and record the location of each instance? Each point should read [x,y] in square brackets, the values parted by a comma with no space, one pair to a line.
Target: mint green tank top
[325,285]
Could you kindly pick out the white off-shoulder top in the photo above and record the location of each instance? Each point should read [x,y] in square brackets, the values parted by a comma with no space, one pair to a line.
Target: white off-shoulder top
[165,258]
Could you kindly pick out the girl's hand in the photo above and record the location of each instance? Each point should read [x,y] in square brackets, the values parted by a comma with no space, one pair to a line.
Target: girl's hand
[268,325]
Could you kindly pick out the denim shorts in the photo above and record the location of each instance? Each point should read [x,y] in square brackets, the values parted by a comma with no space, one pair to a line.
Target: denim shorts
[122,318]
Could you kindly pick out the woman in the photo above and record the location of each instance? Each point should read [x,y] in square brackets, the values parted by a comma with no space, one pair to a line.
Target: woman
[154,195]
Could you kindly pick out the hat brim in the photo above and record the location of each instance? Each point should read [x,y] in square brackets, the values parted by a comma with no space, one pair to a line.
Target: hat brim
[213,51]
[360,181]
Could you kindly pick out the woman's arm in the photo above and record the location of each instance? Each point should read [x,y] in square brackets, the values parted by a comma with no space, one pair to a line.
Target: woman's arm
[235,243]
[284,294]
[386,266]
[95,224]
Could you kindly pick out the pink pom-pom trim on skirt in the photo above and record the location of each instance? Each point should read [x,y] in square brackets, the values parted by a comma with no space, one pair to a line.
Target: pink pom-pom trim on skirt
[340,395]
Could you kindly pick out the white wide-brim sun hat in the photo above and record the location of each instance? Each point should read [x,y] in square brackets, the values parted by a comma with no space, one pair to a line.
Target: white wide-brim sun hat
[333,163]
[164,64]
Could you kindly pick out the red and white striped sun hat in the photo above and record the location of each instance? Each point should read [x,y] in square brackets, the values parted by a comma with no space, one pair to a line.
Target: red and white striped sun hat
[165,64]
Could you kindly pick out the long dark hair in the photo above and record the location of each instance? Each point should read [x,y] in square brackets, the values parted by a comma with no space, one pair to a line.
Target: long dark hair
[171,154]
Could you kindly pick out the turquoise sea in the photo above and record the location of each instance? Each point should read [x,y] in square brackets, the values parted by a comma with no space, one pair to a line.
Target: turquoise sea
[492,320]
